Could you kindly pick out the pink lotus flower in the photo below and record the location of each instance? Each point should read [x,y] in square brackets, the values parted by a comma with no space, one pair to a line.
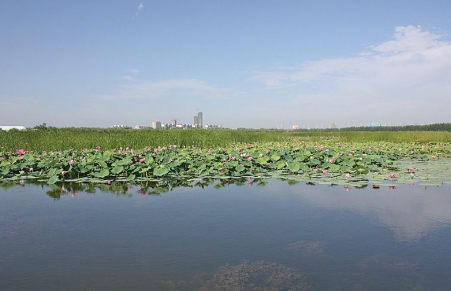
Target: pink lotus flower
[71,162]
[250,159]
[412,175]
[392,175]
[315,170]
[20,152]
[412,169]
[325,172]
[142,160]
[109,182]
[347,175]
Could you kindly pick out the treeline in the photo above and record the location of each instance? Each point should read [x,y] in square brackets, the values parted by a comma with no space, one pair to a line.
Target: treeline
[427,127]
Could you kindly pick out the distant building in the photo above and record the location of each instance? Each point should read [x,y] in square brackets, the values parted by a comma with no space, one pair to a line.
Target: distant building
[295,126]
[213,126]
[140,126]
[9,127]
[333,125]
[156,124]
[198,120]
[118,126]
[375,124]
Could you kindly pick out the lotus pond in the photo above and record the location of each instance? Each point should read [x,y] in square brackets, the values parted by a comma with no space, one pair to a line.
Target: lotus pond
[223,234]
[327,161]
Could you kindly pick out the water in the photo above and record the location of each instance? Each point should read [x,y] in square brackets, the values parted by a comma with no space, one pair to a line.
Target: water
[326,238]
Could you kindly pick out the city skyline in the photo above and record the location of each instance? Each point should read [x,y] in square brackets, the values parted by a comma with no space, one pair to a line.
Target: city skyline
[252,64]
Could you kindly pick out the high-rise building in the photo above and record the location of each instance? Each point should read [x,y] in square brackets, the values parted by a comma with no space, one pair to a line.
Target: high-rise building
[200,121]
[196,121]
[156,124]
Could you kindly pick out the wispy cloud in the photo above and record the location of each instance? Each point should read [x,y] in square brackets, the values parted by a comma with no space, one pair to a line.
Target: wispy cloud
[132,74]
[410,70]
[172,88]
[413,55]
[134,71]
[138,11]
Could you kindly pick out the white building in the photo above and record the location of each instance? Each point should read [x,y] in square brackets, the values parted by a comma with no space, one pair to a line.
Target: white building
[8,127]
[156,124]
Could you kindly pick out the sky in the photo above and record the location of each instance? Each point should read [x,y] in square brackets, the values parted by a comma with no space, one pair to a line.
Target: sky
[243,63]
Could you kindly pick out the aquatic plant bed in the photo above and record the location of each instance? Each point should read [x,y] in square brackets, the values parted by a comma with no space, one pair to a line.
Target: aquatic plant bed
[325,162]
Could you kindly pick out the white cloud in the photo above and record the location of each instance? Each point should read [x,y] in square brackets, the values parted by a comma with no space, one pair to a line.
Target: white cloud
[409,38]
[127,77]
[409,212]
[172,88]
[134,71]
[138,10]
[406,72]
[413,55]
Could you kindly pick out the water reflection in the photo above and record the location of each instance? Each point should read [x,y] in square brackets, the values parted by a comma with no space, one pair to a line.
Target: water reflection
[232,235]
[156,187]
[246,275]
[410,212]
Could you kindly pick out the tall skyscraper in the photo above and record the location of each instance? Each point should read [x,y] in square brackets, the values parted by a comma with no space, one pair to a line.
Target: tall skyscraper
[200,121]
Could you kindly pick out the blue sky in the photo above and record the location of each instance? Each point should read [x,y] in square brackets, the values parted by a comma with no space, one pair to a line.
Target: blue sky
[252,63]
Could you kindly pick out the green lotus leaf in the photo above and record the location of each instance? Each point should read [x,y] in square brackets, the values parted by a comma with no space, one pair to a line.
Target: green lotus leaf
[334,168]
[294,167]
[275,157]
[123,162]
[117,169]
[52,180]
[102,174]
[160,171]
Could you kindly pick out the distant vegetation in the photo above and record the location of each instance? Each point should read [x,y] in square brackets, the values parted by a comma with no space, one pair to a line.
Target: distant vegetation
[48,138]
[427,127]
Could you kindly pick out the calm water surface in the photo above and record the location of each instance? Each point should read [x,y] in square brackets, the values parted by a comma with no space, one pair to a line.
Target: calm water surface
[280,236]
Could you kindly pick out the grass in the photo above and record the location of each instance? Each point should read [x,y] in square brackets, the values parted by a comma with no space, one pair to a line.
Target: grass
[62,139]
